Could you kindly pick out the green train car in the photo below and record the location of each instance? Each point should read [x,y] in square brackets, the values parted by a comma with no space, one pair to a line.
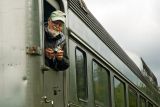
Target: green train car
[100,74]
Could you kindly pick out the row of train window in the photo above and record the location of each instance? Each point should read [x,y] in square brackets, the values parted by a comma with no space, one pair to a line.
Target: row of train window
[101,86]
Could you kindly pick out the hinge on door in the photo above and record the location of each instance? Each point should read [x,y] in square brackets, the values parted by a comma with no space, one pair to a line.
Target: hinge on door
[33,50]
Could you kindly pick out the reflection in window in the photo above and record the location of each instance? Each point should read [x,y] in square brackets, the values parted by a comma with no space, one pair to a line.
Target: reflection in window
[81,75]
[101,86]
[119,93]
[132,98]
[142,102]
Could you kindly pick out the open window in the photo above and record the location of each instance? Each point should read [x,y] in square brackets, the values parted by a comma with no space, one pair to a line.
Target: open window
[50,6]
[53,82]
[55,28]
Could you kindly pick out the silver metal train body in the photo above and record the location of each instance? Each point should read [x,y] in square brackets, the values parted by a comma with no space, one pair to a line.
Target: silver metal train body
[25,81]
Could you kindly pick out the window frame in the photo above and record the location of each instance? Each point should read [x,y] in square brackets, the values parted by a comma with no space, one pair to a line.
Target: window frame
[108,82]
[149,104]
[118,79]
[136,94]
[140,99]
[85,71]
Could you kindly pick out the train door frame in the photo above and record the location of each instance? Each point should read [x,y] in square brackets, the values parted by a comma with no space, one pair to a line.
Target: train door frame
[53,82]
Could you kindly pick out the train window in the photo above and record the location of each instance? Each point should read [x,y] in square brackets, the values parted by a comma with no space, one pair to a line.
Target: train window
[155,106]
[48,9]
[81,75]
[149,104]
[54,36]
[119,93]
[100,86]
[142,102]
[132,98]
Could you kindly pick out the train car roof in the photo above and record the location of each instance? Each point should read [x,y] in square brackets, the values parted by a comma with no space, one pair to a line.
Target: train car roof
[80,9]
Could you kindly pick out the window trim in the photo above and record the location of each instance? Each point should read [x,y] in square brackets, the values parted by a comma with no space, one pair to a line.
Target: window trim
[109,82]
[150,103]
[86,74]
[135,92]
[125,98]
[142,98]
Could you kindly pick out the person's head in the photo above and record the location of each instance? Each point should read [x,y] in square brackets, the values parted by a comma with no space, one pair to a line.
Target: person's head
[56,22]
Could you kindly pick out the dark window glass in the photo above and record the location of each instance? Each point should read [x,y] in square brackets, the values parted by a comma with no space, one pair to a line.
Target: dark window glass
[81,75]
[155,106]
[132,98]
[119,93]
[142,102]
[101,85]
[150,105]
[48,9]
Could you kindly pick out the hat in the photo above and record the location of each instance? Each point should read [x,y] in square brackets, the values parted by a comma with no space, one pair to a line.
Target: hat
[58,15]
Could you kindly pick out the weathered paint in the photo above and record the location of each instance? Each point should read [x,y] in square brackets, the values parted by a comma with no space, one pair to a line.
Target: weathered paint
[20,74]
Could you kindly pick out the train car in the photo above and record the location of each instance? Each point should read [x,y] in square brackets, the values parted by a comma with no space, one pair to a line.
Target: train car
[100,74]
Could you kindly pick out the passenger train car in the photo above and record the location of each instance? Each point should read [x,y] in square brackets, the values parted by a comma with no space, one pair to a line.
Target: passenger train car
[100,74]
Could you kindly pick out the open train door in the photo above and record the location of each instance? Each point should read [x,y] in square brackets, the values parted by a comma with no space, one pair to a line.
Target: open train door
[53,81]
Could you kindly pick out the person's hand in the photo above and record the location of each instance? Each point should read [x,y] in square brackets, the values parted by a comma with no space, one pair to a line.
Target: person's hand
[59,54]
[49,53]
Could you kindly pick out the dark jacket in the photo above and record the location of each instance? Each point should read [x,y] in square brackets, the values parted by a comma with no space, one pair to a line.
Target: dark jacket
[52,43]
